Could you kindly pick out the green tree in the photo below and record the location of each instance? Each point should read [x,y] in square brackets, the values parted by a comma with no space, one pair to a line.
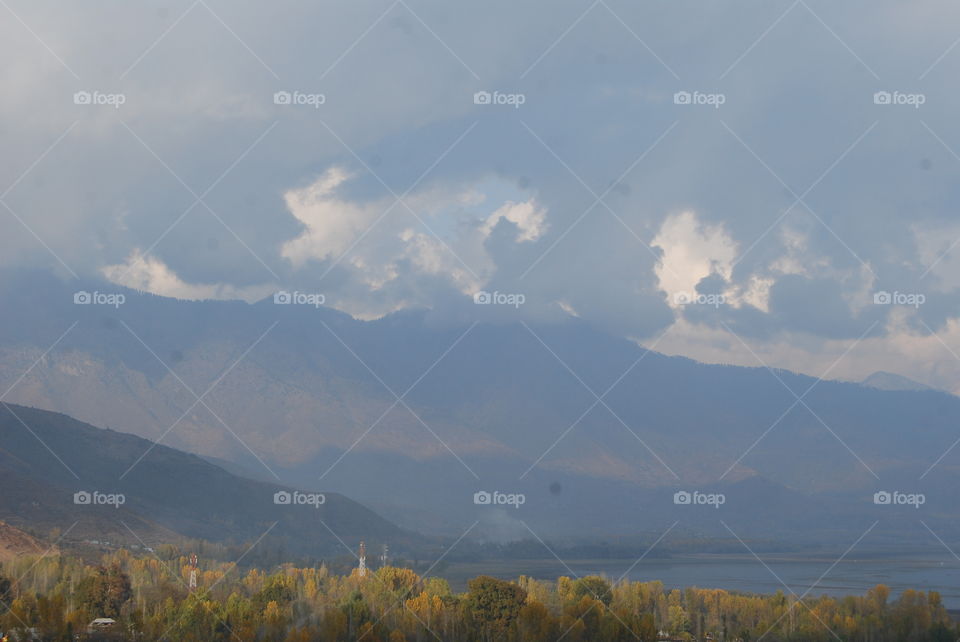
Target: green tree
[494,605]
[593,586]
[277,588]
[357,612]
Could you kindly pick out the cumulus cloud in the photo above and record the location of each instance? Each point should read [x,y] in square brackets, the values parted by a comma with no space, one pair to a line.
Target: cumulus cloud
[331,225]
[691,252]
[438,232]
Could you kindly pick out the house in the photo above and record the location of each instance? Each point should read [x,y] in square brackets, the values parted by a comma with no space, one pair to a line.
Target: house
[101,624]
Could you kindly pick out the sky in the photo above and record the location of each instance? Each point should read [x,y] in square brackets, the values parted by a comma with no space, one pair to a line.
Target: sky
[763,183]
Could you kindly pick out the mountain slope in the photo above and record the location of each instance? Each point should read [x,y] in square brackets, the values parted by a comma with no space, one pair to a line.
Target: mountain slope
[14,543]
[46,458]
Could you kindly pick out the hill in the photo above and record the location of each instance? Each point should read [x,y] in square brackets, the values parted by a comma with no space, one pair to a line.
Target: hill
[110,486]
[14,543]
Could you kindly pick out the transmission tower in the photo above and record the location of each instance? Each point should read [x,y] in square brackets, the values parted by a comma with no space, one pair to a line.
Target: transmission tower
[193,572]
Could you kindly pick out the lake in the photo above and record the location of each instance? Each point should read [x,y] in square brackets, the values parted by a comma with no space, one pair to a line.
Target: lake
[745,574]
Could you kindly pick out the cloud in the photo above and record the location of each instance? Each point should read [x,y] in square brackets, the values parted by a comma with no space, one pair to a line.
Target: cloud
[331,225]
[529,218]
[149,274]
[598,195]
[691,252]
[432,234]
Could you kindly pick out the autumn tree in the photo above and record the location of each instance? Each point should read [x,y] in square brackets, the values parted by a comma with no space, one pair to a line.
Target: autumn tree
[536,624]
[105,592]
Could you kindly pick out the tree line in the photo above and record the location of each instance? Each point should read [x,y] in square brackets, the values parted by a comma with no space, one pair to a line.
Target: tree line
[55,598]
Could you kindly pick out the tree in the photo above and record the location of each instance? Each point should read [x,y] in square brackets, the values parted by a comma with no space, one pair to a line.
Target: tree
[593,586]
[679,622]
[494,605]
[105,592]
[356,610]
[536,624]
[277,589]
[400,580]
[4,591]
[648,628]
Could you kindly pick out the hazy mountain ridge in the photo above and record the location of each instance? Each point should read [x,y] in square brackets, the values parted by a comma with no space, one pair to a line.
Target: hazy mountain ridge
[500,400]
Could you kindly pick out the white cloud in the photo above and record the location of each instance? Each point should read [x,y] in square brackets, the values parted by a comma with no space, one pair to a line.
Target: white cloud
[375,239]
[691,251]
[149,274]
[331,225]
[528,216]
[922,358]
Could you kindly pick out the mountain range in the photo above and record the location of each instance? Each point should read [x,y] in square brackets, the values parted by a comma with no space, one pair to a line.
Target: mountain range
[414,413]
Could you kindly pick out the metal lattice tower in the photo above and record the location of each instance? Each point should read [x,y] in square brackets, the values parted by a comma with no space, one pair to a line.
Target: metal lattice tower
[193,572]
[362,569]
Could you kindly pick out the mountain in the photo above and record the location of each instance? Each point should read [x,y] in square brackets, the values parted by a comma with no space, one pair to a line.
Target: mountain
[308,393]
[90,483]
[890,381]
